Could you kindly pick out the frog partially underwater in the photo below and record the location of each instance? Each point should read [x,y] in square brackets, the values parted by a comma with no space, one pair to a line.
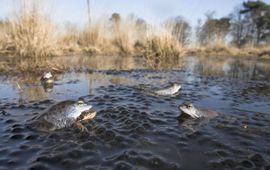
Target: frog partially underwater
[47,81]
[170,90]
[62,115]
[192,117]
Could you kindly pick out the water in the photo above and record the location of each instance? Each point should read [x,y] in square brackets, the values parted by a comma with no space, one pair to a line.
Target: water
[135,130]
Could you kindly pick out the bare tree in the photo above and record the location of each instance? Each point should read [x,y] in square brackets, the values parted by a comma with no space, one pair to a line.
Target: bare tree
[116,20]
[181,30]
[238,27]
[88,11]
[213,31]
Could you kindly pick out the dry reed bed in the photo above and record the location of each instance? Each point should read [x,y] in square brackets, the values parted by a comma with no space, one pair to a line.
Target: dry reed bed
[32,35]
[230,51]
[30,39]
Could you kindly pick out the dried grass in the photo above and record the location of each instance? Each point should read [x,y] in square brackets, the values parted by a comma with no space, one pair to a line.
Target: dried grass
[31,38]
[30,35]
[231,51]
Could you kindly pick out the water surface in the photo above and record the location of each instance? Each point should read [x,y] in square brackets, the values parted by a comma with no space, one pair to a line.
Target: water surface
[135,130]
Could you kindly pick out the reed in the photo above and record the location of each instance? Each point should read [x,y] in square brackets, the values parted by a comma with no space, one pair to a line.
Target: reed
[230,51]
[30,38]
[104,37]
[30,35]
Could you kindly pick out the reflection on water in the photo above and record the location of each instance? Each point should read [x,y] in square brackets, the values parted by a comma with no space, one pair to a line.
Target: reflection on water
[173,62]
[97,62]
[135,130]
[237,68]
[29,87]
[82,84]
[48,87]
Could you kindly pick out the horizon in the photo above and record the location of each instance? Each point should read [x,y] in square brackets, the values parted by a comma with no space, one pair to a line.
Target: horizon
[153,11]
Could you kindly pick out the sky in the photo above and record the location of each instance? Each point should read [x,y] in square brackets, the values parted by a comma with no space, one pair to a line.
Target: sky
[153,11]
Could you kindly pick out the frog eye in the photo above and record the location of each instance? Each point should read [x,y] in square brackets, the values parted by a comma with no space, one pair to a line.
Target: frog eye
[80,102]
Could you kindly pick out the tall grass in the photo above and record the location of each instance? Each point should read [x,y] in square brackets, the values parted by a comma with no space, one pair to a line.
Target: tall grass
[30,35]
[230,51]
[3,31]
[127,38]
[103,37]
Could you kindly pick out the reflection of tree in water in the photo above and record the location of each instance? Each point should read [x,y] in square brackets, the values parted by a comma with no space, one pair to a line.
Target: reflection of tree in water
[35,93]
[97,62]
[29,89]
[96,80]
[208,66]
[171,62]
[231,68]
[249,69]
[262,69]
[240,69]
[118,80]
[258,90]
[48,87]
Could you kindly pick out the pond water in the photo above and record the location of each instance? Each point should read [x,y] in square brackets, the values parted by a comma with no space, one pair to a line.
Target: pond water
[135,130]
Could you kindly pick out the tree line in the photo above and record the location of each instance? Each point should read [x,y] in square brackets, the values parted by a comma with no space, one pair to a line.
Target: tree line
[248,24]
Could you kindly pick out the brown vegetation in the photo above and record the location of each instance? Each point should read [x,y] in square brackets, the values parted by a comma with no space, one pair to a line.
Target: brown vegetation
[30,39]
[231,51]
[29,36]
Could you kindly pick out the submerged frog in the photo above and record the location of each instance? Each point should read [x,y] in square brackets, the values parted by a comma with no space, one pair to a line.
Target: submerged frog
[170,90]
[192,118]
[62,115]
[188,109]
[166,91]
[47,81]
[47,78]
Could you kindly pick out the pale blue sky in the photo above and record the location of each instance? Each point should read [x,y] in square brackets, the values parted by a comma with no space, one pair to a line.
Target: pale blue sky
[154,11]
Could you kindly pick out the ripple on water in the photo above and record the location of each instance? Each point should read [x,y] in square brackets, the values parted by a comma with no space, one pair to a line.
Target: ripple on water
[135,130]
[129,158]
